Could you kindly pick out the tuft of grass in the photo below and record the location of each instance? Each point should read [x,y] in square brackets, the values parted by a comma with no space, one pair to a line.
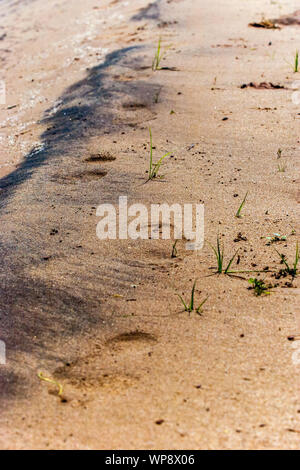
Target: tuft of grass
[159,54]
[53,382]
[219,253]
[238,214]
[292,271]
[191,306]
[296,63]
[259,287]
[281,168]
[154,167]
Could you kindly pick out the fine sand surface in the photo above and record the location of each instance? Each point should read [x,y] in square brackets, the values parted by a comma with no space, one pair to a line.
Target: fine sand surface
[102,317]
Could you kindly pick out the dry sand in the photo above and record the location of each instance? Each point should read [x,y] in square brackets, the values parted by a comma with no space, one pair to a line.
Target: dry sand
[102,318]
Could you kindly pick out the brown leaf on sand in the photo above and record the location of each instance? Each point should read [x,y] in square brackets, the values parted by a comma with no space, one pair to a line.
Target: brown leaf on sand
[263,86]
[267,24]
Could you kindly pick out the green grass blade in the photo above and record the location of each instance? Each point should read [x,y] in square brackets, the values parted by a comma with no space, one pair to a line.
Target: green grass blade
[219,255]
[193,297]
[216,254]
[159,163]
[214,249]
[282,257]
[157,57]
[158,52]
[230,263]
[199,309]
[238,214]
[183,302]
[174,250]
[296,67]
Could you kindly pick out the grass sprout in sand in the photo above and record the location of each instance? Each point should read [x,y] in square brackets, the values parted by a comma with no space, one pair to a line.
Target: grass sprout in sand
[191,306]
[219,253]
[295,64]
[259,287]
[238,214]
[158,57]
[159,54]
[281,168]
[292,271]
[154,167]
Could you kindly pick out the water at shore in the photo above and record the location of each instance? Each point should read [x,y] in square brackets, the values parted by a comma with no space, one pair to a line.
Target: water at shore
[11,6]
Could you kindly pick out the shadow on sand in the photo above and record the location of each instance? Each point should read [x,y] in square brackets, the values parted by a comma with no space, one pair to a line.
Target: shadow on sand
[51,283]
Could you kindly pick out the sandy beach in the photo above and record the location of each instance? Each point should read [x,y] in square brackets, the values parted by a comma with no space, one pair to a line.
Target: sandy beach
[102,319]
